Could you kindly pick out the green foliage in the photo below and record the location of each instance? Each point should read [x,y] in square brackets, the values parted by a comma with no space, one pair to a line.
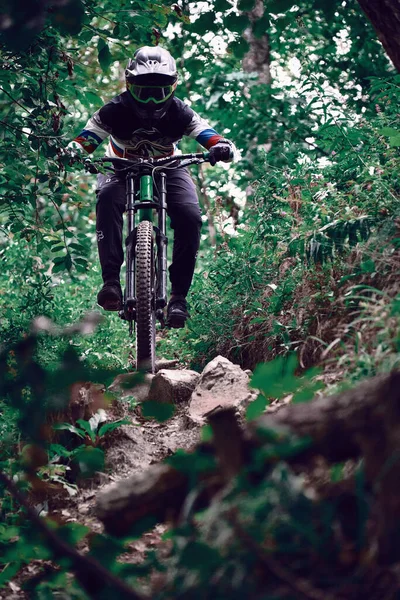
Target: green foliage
[264,518]
[38,394]
[309,231]
[85,428]
[285,116]
[393,135]
[334,237]
[109,427]
[104,54]
[277,379]
[369,343]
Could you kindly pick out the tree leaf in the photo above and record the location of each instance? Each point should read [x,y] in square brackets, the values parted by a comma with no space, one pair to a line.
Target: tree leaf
[68,262]
[59,259]
[276,378]
[239,48]
[222,5]
[236,23]
[204,23]
[93,98]
[108,427]
[256,407]
[280,6]
[389,131]
[89,460]
[59,267]
[69,427]
[85,425]
[104,55]
[395,141]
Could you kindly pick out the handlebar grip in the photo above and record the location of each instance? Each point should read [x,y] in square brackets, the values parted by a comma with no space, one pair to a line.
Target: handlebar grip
[89,166]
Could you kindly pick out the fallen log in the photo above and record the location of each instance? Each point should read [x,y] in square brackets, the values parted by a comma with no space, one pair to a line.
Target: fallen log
[361,422]
[150,493]
[344,425]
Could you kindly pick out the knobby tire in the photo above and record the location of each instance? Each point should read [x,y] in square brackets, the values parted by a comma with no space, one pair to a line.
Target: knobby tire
[145,309]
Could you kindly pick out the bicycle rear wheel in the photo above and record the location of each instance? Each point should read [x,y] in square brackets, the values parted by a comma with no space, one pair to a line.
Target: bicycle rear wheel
[145,301]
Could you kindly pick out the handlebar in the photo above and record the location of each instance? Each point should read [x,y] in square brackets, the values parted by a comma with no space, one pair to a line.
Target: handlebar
[124,164]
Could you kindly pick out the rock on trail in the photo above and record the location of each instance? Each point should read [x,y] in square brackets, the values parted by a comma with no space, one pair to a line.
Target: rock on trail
[222,384]
[175,387]
[194,395]
[143,442]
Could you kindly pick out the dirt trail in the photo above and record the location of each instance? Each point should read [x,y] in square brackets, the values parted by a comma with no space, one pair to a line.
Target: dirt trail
[131,449]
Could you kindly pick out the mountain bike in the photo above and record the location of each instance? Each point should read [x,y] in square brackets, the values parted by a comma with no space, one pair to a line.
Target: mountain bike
[145,293]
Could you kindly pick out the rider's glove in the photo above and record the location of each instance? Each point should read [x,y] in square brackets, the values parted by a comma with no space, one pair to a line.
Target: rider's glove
[223,150]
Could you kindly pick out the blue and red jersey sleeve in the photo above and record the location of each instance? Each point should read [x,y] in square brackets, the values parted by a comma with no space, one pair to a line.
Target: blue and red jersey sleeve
[202,132]
[208,138]
[92,135]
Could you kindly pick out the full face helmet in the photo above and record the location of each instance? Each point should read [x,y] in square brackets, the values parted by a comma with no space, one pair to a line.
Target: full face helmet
[151,79]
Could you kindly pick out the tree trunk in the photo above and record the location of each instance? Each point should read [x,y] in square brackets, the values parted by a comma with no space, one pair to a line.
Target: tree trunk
[385,18]
[257,59]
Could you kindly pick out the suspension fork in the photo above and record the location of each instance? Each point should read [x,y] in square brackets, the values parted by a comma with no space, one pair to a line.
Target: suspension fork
[144,191]
[162,242]
[145,194]
[130,291]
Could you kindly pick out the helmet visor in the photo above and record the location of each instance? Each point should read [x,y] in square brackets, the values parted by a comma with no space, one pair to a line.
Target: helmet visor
[151,93]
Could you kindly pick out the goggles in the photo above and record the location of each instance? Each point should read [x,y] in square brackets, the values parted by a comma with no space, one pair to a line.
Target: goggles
[151,93]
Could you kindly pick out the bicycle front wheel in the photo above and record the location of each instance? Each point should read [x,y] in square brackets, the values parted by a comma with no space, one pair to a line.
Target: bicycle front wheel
[145,301]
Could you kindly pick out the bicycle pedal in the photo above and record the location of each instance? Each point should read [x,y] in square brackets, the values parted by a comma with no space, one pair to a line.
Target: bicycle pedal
[176,322]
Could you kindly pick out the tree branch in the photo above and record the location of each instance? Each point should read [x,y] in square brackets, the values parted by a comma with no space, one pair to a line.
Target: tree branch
[14,100]
[39,137]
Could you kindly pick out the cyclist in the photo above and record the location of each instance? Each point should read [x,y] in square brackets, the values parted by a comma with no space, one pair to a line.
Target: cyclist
[148,120]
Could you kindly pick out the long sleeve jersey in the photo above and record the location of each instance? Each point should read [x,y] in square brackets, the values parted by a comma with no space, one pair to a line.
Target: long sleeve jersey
[129,137]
